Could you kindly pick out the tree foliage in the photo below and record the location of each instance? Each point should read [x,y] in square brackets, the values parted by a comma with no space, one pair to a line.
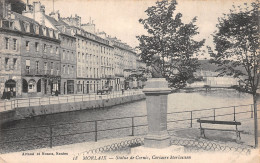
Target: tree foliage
[17,6]
[169,45]
[236,45]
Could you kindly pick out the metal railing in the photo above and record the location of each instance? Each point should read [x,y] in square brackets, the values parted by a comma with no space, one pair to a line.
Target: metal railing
[41,72]
[6,105]
[97,128]
[214,115]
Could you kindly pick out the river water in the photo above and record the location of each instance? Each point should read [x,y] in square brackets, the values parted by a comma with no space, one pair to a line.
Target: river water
[78,132]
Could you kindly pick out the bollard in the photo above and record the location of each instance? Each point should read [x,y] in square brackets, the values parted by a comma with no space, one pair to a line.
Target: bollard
[50,136]
[234,113]
[252,112]
[5,105]
[96,134]
[214,114]
[191,119]
[29,102]
[133,126]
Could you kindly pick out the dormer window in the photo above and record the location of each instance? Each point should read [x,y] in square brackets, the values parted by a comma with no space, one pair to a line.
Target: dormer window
[51,33]
[44,31]
[27,27]
[11,25]
[37,29]
[56,34]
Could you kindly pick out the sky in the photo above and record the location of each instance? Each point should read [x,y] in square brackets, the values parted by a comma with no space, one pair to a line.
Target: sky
[119,18]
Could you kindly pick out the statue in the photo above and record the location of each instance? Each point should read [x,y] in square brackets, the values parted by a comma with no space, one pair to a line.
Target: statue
[156,67]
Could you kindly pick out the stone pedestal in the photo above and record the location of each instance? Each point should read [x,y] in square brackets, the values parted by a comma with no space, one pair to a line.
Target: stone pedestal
[156,92]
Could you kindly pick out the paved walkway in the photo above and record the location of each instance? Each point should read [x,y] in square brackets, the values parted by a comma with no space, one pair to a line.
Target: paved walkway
[69,151]
[66,153]
[6,105]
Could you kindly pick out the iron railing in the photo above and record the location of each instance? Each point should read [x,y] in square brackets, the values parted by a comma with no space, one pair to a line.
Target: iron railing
[96,128]
[214,115]
[6,105]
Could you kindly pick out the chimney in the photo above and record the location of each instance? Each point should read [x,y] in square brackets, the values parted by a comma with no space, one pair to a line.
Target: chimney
[2,9]
[5,9]
[55,15]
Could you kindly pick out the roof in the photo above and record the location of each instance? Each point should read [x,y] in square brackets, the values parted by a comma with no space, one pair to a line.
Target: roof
[24,18]
[23,21]
[58,24]
[55,22]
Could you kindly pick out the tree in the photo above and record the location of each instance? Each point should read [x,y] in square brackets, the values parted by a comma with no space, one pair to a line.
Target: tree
[236,49]
[169,46]
[17,5]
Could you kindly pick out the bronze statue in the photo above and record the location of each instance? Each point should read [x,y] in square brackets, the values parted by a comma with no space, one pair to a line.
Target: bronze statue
[156,67]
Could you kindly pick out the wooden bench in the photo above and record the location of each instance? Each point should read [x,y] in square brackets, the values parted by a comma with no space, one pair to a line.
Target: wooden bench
[202,130]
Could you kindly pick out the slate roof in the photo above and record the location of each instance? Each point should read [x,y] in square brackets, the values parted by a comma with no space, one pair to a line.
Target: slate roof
[59,24]
[22,20]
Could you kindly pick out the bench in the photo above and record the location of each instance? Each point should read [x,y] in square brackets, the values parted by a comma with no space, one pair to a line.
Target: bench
[202,130]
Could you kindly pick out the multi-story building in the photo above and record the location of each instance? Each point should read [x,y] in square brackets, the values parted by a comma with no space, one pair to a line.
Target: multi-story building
[125,59]
[95,58]
[67,46]
[31,55]
[41,54]
[10,57]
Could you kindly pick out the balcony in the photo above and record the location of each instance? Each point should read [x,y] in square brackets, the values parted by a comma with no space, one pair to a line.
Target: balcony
[40,72]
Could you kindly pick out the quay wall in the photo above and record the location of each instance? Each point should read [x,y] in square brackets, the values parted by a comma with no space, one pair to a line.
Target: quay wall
[25,112]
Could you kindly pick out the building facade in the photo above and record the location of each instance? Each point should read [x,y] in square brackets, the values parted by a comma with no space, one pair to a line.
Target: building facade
[95,58]
[30,55]
[43,54]
[67,44]
[125,59]
[10,59]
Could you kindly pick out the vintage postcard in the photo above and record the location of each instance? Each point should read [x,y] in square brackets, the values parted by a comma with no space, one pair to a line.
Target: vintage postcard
[129,81]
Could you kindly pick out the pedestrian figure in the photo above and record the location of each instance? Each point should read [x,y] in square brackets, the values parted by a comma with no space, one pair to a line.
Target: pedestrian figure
[4,95]
[8,95]
[56,93]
